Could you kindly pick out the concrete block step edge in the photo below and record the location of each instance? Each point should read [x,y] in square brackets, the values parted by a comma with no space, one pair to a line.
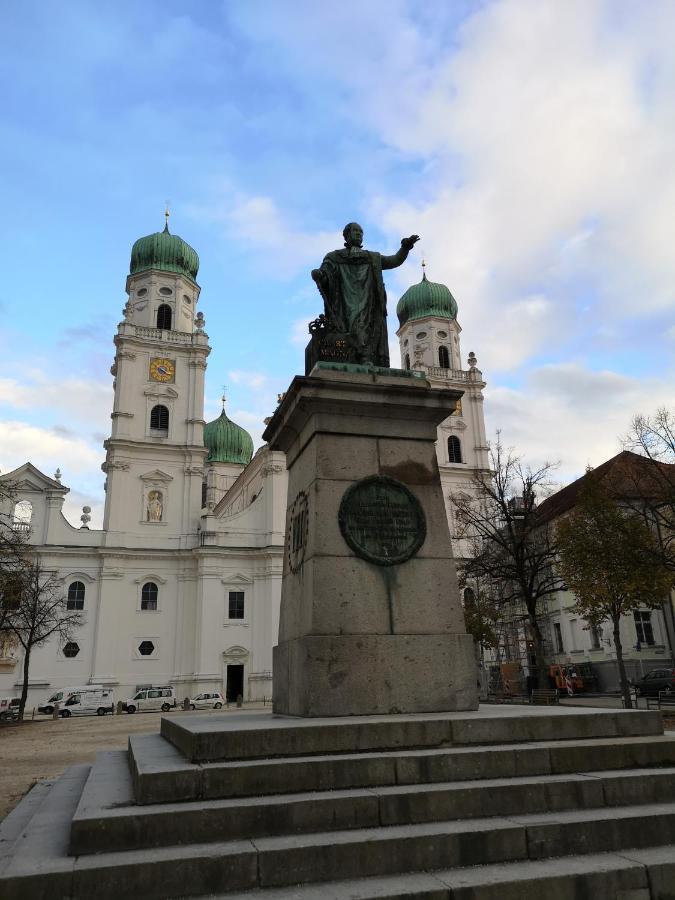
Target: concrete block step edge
[111,827]
[161,775]
[290,860]
[199,742]
[627,875]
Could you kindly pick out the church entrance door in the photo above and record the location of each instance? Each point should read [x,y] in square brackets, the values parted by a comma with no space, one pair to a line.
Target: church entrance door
[234,685]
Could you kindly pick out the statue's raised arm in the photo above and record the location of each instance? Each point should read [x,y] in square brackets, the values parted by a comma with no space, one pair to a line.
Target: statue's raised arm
[392,262]
[355,301]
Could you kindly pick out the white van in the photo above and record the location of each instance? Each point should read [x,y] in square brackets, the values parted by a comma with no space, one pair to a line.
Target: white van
[62,695]
[86,703]
[163,698]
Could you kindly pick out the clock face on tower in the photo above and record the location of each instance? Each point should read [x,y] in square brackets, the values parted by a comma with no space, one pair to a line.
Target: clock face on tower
[162,369]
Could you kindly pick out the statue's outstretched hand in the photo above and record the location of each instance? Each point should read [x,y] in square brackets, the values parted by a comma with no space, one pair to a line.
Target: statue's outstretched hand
[409,242]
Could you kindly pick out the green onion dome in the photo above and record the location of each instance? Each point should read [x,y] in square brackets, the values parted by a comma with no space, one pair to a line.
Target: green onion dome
[426,299]
[164,251]
[227,442]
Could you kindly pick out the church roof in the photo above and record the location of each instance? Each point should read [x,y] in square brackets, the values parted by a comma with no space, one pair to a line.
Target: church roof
[426,299]
[227,442]
[165,251]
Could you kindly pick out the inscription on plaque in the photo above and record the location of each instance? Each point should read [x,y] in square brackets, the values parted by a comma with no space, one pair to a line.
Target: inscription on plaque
[298,526]
[382,520]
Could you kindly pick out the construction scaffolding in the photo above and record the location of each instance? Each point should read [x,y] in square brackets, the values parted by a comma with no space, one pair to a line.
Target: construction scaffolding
[509,669]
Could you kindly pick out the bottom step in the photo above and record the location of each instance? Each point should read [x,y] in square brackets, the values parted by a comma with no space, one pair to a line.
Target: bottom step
[631,875]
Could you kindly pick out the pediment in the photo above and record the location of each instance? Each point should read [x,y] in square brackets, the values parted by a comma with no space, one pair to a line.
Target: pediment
[236,652]
[160,391]
[237,579]
[156,475]
[29,478]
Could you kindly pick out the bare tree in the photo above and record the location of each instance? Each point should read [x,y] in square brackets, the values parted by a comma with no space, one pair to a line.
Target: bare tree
[14,559]
[513,548]
[40,613]
[652,485]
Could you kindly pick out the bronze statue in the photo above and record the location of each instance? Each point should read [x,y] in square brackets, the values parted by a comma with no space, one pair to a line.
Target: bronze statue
[355,300]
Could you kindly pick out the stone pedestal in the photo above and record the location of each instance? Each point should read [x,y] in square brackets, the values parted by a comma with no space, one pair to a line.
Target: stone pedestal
[363,628]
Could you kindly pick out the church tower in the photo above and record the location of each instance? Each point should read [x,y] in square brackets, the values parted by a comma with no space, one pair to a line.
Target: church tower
[155,453]
[429,342]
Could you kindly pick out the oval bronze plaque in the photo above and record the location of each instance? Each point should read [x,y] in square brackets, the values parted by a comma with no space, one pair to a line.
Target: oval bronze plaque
[382,520]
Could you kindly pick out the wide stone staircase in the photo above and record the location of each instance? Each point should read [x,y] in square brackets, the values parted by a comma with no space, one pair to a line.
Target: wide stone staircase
[502,803]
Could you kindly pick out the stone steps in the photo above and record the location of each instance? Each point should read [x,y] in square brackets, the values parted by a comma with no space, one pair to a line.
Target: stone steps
[628,876]
[40,866]
[452,815]
[261,736]
[162,775]
[107,819]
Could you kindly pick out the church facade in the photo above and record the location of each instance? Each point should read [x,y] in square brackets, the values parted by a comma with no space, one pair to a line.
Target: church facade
[182,584]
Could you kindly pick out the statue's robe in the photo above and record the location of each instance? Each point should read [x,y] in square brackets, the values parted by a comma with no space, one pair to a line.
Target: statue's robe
[356,301]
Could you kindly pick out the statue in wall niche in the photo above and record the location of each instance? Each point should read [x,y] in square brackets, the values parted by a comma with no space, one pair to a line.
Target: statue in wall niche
[354,325]
[155,506]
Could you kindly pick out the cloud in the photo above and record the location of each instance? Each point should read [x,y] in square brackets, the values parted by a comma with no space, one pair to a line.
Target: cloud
[46,448]
[253,380]
[78,400]
[266,233]
[299,333]
[570,413]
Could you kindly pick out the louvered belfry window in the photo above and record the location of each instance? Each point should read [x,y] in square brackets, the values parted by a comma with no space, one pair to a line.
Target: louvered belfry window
[159,418]
[454,449]
[164,317]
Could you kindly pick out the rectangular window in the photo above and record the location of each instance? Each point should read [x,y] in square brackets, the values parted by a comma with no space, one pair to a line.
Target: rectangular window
[236,605]
[643,627]
[559,648]
[595,637]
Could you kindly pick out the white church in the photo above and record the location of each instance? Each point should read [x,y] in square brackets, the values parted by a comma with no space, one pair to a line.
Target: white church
[182,584]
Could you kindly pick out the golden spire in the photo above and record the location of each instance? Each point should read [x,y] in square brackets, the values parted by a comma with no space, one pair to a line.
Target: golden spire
[166,216]
[223,398]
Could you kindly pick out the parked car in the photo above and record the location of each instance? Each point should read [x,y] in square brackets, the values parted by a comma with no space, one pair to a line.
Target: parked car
[98,701]
[60,696]
[655,682]
[147,699]
[206,701]
[9,708]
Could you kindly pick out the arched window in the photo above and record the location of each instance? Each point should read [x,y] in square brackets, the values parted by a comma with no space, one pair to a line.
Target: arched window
[149,595]
[23,513]
[469,597]
[159,418]
[407,361]
[164,317]
[75,595]
[443,358]
[454,449]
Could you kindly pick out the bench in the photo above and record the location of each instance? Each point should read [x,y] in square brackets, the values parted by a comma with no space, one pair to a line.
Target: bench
[544,696]
[665,701]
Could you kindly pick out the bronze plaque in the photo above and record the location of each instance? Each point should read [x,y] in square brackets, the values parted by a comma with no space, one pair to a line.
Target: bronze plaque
[382,520]
[298,527]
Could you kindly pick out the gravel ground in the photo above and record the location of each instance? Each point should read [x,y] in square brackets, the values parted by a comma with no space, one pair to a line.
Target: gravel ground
[43,748]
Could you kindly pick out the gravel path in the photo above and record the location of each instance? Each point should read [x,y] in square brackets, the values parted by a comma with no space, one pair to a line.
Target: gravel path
[43,748]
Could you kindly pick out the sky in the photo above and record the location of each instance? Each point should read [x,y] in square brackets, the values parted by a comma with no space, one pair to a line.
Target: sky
[530,143]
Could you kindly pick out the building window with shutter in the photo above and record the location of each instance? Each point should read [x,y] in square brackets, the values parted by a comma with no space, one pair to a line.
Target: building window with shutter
[454,449]
[159,418]
[164,317]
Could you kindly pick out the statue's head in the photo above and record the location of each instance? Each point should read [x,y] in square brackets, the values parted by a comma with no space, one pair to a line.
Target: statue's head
[353,235]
